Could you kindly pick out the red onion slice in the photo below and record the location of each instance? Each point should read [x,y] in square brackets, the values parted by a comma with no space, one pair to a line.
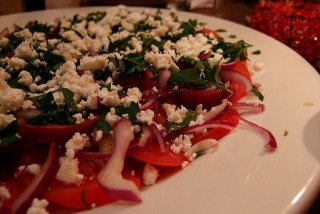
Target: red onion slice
[154,129]
[163,78]
[215,111]
[268,136]
[110,177]
[235,76]
[40,184]
[208,125]
[248,108]
[150,104]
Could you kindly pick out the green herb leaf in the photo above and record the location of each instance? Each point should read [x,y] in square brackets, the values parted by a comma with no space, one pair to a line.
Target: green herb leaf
[131,111]
[188,76]
[96,16]
[46,102]
[220,30]
[257,52]
[258,93]
[191,116]
[68,98]
[8,134]
[189,27]
[286,133]
[103,125]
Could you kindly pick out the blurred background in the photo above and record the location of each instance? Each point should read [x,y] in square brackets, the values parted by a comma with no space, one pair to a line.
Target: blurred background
[296,23]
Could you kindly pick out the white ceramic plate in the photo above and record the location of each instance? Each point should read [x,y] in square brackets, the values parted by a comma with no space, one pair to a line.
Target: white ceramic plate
[240,177]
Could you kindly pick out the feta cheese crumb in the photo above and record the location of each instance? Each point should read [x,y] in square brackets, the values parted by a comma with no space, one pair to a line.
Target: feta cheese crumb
[25,51]
[68,172]
[258,66]
[4,193]
[5,120]
[38,207]
[78,118]
[150,174]
[111,117]
[175,115]
[32,169]
[145,116]
[25,78]
[181,143]
[160,61]
[16,63]
[76,143]
[93,63]
[11,99]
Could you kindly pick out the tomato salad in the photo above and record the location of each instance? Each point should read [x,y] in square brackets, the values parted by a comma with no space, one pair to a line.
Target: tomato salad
[95,107]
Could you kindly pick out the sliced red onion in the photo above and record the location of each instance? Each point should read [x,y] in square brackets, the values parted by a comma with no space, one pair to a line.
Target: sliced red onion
[110,177]
[4,33]
[268,136]
[215,111]
[235,76]
[247,108]
[203,145]
[163,78]
[150,104]
[145,135]
[227,66]
[40,184]
[154,129]
[208,125]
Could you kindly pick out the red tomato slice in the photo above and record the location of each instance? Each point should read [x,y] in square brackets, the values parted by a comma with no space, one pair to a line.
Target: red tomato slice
[218,133]
[53,132]
[241,67]
[208,98]
[152,154]
[208,31]
[239,91]
[85,195]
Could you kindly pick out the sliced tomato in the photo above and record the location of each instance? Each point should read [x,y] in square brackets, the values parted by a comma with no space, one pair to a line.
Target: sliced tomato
[53,132]
[217,133]
[241,67]
[152,154]
[208,98]
[239,91]
[86,194]
[208,31]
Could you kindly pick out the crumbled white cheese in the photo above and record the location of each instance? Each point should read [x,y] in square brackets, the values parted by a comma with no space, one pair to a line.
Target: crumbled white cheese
[175,115]
[192,45]
[4,75]
[182,143]
[39,36]
[257,66]
[68,172]
[70,35]
[78,118]
[76,143]
[149,174]
[58,97]
[6,120]
[38,207]
[11,99]
[4,193]
[111,117]
[23,34]
[25,78]
[16,63]
[32,168]
[160,61]
[93,63]
[145,116]
[119,36]
[24,51]
[28,104]
[4,41]
[109,98]
[133,95]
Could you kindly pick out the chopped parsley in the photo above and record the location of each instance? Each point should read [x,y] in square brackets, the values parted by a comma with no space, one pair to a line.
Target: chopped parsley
[258,93]
[256,52]
[190,116]
[285,133]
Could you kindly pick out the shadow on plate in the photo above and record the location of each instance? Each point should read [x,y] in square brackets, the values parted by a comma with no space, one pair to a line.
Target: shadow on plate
[311,136]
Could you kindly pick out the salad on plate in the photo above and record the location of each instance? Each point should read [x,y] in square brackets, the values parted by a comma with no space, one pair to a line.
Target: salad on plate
[96,107]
